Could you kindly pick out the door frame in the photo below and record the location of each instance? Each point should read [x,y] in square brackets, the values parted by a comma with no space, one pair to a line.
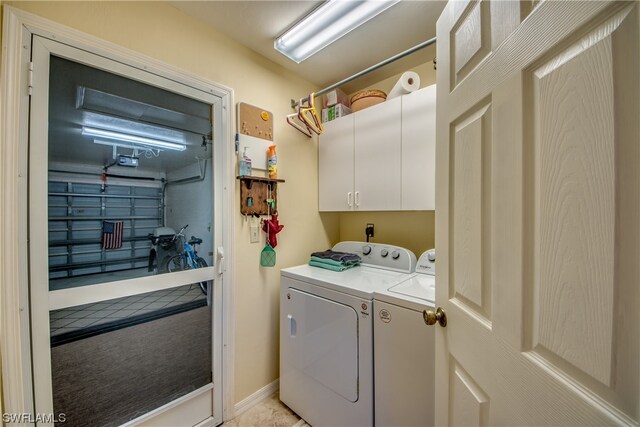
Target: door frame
[18,29]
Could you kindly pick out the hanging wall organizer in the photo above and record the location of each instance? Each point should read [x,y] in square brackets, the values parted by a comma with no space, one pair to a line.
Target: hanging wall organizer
[258,195]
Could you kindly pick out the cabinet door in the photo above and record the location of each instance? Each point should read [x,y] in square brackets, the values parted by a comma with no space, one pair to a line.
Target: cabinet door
[377,157]
[418,149]
[335,166]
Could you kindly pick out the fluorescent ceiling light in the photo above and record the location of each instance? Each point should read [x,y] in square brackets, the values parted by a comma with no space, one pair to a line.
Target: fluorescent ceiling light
[134,139]
[326,24]
[99,103]
[123,144]
[91,119]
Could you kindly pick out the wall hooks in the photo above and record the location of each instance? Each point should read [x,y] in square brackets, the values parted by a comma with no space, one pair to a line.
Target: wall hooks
[258,196]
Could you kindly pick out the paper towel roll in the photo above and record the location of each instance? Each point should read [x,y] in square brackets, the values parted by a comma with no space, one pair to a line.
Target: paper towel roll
[408,82]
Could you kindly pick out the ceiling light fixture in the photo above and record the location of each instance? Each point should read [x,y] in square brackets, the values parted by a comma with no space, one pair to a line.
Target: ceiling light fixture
[134,139]
[332,20]
[129,145]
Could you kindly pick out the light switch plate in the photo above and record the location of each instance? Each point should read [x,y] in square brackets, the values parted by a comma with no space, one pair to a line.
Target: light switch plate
[253,234]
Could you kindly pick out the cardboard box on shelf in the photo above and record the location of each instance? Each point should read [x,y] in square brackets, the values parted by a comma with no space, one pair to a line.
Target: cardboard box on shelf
[334,97]
[334,112]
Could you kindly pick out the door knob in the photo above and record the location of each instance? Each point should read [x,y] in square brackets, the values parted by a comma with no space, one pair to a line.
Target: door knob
[431,317]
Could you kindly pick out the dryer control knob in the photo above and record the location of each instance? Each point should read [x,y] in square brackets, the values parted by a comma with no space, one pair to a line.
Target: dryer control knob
[384,253]
[395,254]
[366,250]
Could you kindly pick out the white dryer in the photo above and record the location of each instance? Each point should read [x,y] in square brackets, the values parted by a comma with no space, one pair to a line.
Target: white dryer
[326,334]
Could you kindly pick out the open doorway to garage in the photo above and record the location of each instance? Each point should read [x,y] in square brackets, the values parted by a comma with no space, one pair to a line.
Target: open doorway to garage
[129,192]
[123,317]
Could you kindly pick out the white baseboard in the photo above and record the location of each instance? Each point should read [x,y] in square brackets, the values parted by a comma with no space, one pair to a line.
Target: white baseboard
[255,398]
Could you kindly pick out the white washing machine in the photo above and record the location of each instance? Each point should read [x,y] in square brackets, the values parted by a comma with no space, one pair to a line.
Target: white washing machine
[326,334]
[404,350]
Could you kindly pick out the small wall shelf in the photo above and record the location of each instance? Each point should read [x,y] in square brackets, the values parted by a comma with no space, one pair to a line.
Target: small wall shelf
[255,192]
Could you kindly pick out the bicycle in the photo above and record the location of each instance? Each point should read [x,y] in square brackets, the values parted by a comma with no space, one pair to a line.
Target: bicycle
[188,258]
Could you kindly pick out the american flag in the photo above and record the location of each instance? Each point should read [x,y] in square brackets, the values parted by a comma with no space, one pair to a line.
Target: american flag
[112,234]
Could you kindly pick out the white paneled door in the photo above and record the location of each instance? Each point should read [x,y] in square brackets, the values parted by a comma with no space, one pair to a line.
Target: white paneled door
[538,202]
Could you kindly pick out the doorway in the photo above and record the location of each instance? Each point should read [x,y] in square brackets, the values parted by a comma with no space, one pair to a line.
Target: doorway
[125,205]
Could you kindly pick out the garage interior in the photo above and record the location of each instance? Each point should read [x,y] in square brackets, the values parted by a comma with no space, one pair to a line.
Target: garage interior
[155,180]
[129,166]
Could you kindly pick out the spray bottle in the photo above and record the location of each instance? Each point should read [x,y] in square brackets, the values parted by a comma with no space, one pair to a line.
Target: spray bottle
[244,164]
[272,162]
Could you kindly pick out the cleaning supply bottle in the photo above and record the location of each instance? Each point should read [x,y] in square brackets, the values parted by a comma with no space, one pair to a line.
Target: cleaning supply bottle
[244,164]
[272,162]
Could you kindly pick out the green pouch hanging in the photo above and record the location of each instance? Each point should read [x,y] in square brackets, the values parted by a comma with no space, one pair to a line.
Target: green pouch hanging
[268,257]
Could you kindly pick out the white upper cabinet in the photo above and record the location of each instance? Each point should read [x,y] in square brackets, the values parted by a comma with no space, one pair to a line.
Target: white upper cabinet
[381,158]
[418,149]
[377,135]
[335,167]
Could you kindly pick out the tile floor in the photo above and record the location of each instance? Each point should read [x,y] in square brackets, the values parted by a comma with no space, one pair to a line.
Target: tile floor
[82,316]
[268,413]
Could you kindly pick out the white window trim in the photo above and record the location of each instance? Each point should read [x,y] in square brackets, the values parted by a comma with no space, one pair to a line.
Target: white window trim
[18,27]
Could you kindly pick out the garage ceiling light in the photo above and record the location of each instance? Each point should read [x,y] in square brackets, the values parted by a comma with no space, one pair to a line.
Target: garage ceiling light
[134,139]
[332,20]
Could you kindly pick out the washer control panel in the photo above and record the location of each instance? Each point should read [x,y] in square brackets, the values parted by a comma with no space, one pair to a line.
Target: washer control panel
[379,255]
[427,263]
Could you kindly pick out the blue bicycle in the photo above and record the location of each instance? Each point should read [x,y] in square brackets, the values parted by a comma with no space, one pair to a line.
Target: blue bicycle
[188,258]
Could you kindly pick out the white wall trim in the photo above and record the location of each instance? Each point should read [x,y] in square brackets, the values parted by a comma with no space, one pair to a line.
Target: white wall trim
[18,27]
[228,264]
[14,308]
[229,270]
[257,397]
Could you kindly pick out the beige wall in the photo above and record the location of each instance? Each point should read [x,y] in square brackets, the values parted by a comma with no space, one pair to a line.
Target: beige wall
[160,31]
[412,230]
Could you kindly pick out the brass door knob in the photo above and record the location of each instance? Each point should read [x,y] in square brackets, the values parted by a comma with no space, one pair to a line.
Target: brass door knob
[431,317]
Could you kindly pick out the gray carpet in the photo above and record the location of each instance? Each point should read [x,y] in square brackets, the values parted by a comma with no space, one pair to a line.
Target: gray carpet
[109,379]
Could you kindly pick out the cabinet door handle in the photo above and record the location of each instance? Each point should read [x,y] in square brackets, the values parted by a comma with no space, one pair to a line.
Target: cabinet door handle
[349,195]
[357,198]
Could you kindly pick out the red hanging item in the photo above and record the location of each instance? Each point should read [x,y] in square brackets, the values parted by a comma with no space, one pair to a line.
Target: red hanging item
[104,180]
[272,227]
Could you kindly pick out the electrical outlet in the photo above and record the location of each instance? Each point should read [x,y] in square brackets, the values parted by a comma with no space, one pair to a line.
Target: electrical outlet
[254,237]
[368,231]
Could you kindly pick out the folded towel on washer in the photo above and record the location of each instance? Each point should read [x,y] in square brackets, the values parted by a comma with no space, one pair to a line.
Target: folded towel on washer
[336,256]
[334,262]
[331,267]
